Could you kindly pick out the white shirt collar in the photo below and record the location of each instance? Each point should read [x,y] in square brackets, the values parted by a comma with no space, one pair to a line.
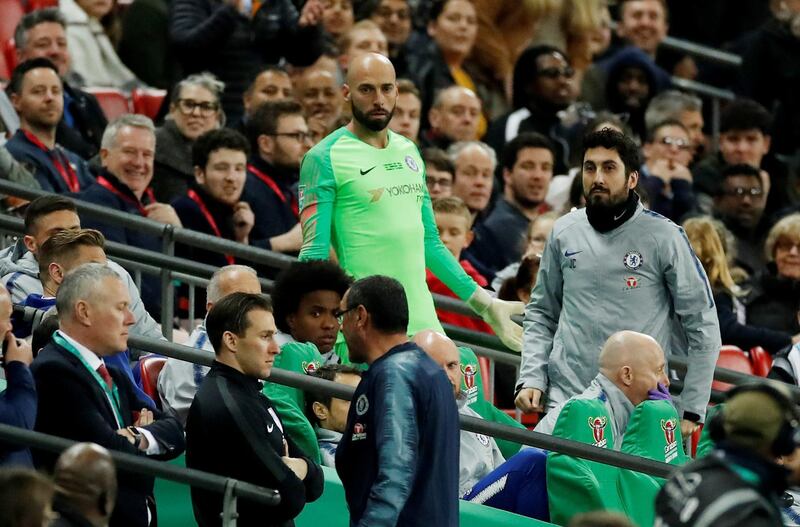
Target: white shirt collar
[91,359]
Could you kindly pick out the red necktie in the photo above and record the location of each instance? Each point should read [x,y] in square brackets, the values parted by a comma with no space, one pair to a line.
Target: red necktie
[103,371]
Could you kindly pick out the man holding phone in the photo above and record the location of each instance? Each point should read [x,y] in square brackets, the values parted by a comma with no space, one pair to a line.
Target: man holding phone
[18,396]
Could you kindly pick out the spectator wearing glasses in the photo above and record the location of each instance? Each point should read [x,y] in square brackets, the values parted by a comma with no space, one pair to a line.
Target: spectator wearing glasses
[665,174]
[541,88]
[194,110]
[703,233]
[775,299]
[279,139]
[439,172]
[740,205]
[745,137]
[686,108]
[455,116]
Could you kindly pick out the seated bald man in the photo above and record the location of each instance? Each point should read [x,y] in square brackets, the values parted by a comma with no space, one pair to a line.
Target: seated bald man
[517,485]
[86,486]
[632,370]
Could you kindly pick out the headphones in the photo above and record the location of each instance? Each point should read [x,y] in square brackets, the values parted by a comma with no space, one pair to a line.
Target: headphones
[788,438]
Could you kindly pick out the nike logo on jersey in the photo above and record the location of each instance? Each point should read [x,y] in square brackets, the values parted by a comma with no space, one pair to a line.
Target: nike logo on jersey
[620,215]
[365,172]
[269,428]
[568,254]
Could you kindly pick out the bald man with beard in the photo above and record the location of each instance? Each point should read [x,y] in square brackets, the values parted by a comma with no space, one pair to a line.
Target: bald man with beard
[362,189]
[86,486]
[632,370]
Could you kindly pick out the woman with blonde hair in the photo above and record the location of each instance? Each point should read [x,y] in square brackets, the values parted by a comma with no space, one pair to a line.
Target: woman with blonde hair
[776,297]
[703,234]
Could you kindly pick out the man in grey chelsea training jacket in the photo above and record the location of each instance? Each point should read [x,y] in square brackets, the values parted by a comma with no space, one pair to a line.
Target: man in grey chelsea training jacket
[609,267]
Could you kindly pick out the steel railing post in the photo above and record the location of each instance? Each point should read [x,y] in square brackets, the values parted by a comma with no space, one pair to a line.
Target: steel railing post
[167,287]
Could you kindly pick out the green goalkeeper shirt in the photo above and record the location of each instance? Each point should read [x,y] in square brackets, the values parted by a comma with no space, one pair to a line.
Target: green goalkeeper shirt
[373,206]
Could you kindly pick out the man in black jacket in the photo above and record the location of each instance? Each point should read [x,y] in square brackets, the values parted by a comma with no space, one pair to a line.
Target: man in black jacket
[228,40]
[80,398]
[279,139]
[739,483]
[213,204]
[41,33]
[233,429]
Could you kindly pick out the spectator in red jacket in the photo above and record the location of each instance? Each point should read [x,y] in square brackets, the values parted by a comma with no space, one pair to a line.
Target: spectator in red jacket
[453,219]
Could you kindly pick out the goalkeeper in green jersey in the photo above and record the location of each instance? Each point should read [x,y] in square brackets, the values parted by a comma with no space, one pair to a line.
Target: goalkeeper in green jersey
[362,189]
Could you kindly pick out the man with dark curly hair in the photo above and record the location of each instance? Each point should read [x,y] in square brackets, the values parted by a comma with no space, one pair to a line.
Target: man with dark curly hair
[306,296]
[305,300]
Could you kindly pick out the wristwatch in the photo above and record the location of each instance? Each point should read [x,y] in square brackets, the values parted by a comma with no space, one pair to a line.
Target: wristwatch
[137,436]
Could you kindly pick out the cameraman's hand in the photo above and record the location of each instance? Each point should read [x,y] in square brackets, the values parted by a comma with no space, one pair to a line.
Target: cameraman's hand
[20,351]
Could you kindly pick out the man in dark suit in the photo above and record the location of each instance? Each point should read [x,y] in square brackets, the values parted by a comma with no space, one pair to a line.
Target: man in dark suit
[82,399]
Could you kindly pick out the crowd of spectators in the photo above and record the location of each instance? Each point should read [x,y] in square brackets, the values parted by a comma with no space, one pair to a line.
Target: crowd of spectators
[499,95]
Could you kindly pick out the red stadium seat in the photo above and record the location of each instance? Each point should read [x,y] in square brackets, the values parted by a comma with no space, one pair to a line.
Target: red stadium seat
[147,101]
[762,361]
[11,11]
[113,102]
[33,5]
[149,369]
[5,70]
[732,358]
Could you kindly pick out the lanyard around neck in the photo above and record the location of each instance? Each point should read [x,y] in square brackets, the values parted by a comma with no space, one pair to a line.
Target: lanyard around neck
[268,181]
[113,395]
[106,184]
[194,196]
[60,162]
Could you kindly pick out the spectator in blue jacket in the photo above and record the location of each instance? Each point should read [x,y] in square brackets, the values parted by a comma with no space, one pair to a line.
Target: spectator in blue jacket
[395,467]
[36,91]
[18,399]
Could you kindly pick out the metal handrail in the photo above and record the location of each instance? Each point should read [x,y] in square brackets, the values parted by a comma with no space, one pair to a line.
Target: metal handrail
[710,54]
[343,391]
[180,235]
[141,465]
[717,56]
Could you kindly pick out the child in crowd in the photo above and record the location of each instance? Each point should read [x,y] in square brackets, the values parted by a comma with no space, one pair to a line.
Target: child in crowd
[328,414]
[454,221]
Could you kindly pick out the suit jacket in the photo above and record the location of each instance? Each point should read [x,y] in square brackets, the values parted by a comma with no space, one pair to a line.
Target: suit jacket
[72,405]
